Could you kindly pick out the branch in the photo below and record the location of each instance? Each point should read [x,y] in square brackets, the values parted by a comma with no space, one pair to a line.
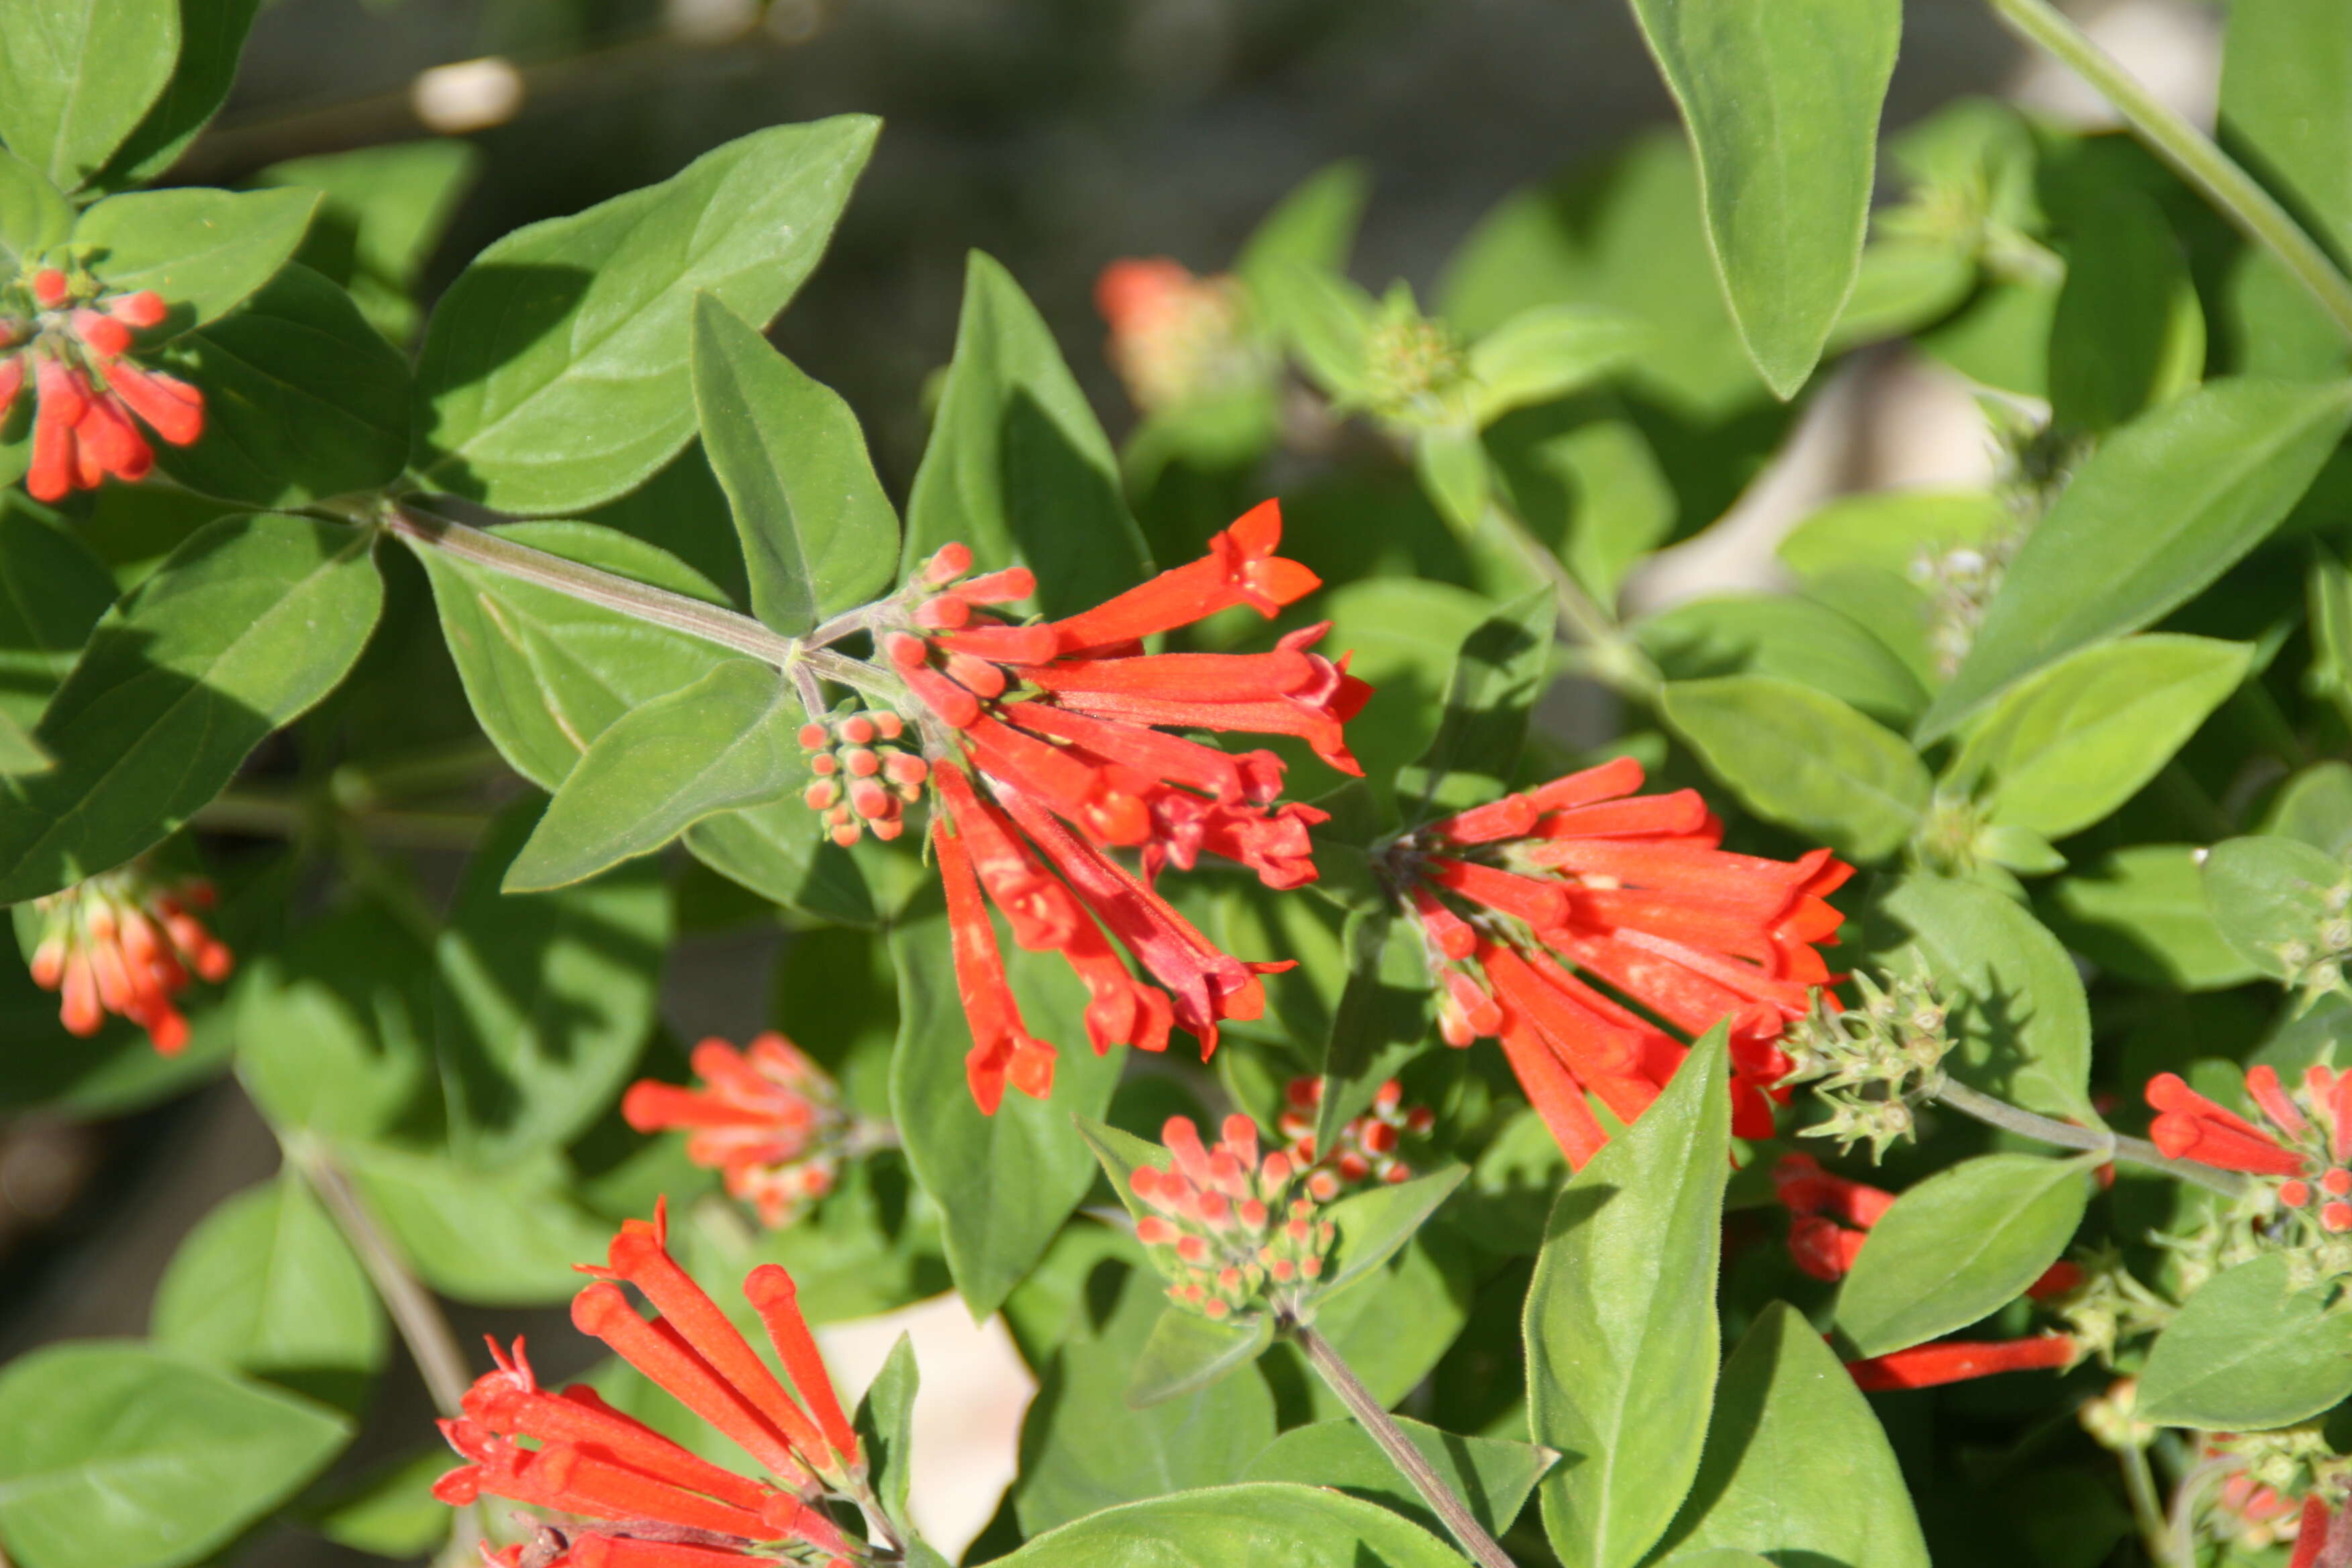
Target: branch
[1619,664]
[1407,1458]
[413,1311]
[2066,1135]
[2252,210]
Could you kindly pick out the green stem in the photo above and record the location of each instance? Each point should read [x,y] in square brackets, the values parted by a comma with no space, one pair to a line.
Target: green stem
[1616,660]
[290,817]
[2147,1510]
[1325,1357]
[2252,210]
[2093,1140]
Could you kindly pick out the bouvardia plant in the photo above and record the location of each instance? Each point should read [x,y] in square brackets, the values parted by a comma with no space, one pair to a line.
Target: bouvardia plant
[1885,1097]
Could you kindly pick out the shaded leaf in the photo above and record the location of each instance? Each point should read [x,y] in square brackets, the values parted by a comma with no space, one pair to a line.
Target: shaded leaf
[76,77]
[205,252]
[1805,760]
[1492,1475]
[1503,668]
[1186,1351]
[2249,1351]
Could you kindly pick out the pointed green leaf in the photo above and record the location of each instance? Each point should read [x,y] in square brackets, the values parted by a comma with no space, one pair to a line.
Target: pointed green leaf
[2075,740]
[1805,760]
[52,591]
[555,374]
[385,212]
[1314,226]
[1502,670]
[117,1455]
[1018,468]
[1264,1525]
[2286,106]
[2164,507]
[503,1237]
[1959,1245]
[886,1426]
[1374,1223]
[1493,1475]
[1781,98]
[1452,466]
[1796,1468]
[1381,1021]
[1621,1332]
[2141,913]
[730,740]
[243,628]
[76,77]
[778,851]
[1121,1154]
[1547,352]
[1798,639]
[818,534]
[1325,319]
[203,252]
[212,38]
[2128,335]
[2015,1000]
[33,214]
[2271,897]
[1186,1351]
[1005,1182]
[2249,1351]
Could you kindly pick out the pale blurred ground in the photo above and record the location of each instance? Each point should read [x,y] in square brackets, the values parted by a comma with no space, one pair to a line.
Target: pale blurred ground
[1208,143]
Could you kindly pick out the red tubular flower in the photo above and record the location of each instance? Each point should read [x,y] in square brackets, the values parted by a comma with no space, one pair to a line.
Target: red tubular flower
[767,1118]
[86,393]
[1047,745]
[1605,928]
[1365,1150]
[650,1502]
[2318,1531]
[1957,1361]
[125,942]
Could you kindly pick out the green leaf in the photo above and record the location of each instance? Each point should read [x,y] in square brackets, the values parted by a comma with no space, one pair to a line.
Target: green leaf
[1503,668]
[1959,1245]
[547,673]
[205,252]
[507,1237]
[2271,897]
[1902,286]
[1005,1182]
[1375,1223]
[1186,1351]
[2315,806]
[2159,512]
[819,536]
[1016,467]
[730,740]
[2073,741]
[2249,1351]
[302,398]
[1314,226]
[555,370]
[544,999]
[1493,1475]
[384,211]
[2128,334]
[76,76]
[1805,760]
[265,1284]
[1621,1331]
[777,851]
[1892,529]
[2015,1003]
[2286,72]
[1452,466]
[1381,1021]
[212,37]
[33,214]
[1797,639]
[1796,1467]
[1324,319]
[52,591]
[1589,479]
[19,752]
[390,1511]
[1547,352]
[1782,104]
[1717,1557]
[2141,913]
[246,626]
[1263,1525]
[1121,1154]
[1083,1447]
[886,1428]
[116,1455]
[1393,1325]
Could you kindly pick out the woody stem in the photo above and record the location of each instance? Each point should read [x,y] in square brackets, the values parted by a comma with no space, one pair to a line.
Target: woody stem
[2066,1135]
[1382,1427]
[412,1308]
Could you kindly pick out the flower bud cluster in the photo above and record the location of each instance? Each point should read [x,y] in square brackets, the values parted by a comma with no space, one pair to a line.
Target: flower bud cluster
[127,942]
[1365,1148]
[2298,1153]
[67,336]
[1871,1062]
[2106,1305]
[866,778]
[2258,1503]
[1232,1231]
[2113,1418]
[2315,963]
[1416,371]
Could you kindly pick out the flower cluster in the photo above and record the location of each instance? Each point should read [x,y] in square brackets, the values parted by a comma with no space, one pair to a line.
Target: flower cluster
[1365,1148]
[2302,1151]
[864,778]
[650,1502]
[1634,893]
[1176,338]
[70,346]
[126,942]
[1416,371]
[1232,1231]
[1047,750]
[1869,1063]
[766,1117]
[2276,1485]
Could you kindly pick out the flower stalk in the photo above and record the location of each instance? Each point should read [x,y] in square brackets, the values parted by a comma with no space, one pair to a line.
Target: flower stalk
[1333,1368]
[2000,1114]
